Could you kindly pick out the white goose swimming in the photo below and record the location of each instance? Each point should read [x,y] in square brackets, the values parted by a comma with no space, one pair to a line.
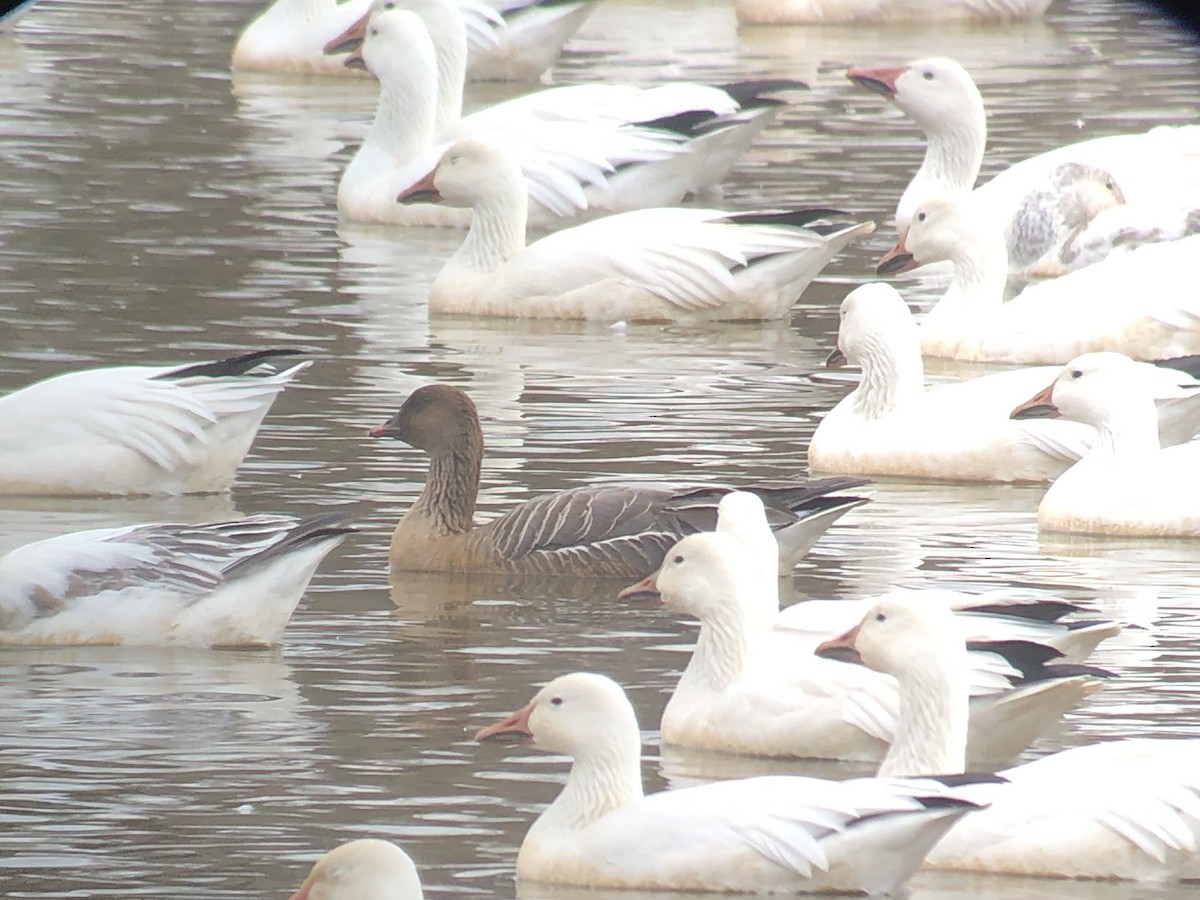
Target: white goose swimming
[1117,810]
[783,834]
[1126,484]
[752,690]
[672,264]
[892,424]
[1157,172]
[884,12]
[507,40]
[584,149]
[220,584]
[363,869]
[1128,302]
[179,429]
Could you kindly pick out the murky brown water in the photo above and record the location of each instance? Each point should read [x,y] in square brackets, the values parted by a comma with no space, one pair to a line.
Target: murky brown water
[153,210]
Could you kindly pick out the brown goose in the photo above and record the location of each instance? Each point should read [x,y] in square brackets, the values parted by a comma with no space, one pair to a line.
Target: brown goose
[619,529]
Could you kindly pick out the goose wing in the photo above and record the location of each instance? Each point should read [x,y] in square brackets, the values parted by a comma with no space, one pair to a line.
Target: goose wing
[685,256]
[164,414]
[185,561]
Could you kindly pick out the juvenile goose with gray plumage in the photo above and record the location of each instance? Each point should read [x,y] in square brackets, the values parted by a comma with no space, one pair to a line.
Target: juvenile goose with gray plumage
[618,529]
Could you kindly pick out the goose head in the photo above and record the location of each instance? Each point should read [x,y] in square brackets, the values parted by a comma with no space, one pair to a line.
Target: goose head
[365,869]
[1084,191]
[873,318]
[473,172]
[395,47]
[1093,389]
[352,38]
[436,418]
[946,226]
[899,635]
[700,575]
[581,714]
[933,92]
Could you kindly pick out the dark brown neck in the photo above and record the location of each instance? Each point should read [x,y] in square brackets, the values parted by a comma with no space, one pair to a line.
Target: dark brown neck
[452,486]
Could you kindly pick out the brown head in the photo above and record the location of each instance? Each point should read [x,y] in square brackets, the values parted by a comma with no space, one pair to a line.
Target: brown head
[435,418]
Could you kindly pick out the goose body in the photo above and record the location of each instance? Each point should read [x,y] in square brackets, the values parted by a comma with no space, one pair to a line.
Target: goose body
[507,40]
[884,12]
[1115,810]
[363,869]
[892,424]
[290,36]
[180,429]
[220,584]
[783,835]
[1131,302]
[1125,484]
[668,264]
[583,149]
[618,529]
[1156,173]
[755,687]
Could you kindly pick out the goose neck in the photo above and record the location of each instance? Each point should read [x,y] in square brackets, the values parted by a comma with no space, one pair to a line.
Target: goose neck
[448,31]
[451,488]
[954,152]
[980,273]
[892,377]
[497,231]
[722,649]
[602,780]
[404,120]
[1129,429]
[931,735]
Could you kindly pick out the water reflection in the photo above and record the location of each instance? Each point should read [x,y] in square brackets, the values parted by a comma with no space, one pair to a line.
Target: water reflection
[157,211]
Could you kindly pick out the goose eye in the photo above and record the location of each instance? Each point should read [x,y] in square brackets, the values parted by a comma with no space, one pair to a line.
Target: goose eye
[920,217]
[678,559]
[880,617]
[1077,374]
[556,701]
[374,32]
[927,75]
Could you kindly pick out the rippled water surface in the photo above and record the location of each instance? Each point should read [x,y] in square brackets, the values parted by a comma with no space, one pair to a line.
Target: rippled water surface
[155,210]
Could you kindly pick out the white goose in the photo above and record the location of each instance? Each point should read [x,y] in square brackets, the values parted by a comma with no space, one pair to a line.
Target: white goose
[750,690]
[658,265]
[884,12]
[1157,172]
[1117,810]
[363,869]
[1126,484]
[1128,302]
[584,149]
[508,40]
[220,584]
[757,835]
[181,429]
[891,424]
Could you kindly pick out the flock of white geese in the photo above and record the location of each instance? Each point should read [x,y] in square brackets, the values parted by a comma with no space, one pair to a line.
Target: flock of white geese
[1077,260]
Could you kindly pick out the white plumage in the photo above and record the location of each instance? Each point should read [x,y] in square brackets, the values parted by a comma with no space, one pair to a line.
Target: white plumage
[1116,810]
[652,264]
[765,835]
[180,429]
[892,424]
[221,584]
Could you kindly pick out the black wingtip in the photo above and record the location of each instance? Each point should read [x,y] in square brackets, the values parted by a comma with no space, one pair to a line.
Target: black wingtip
[799,218]
[233,365]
